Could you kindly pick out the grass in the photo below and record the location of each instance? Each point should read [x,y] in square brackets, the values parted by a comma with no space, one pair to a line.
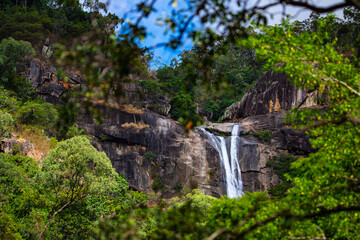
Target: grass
[41,143]
[137,126]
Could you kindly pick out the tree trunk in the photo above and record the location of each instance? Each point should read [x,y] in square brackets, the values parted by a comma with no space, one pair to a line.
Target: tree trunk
[52,217]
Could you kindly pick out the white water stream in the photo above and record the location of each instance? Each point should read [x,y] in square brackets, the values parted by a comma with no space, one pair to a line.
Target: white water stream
[234,186]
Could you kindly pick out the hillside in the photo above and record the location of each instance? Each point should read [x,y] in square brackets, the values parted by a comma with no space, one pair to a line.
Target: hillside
[251,137]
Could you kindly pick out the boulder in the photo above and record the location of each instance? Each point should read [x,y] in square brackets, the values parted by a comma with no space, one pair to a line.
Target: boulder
[8,145]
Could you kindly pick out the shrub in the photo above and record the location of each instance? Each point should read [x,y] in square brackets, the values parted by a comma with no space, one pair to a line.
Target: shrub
[40,114]
[22,87]
[151,87]
[264,135]
[183,110]
[74,131]
[157,184]
[178,187]
[8,100]
[218,108]
[149,157]
[6,124]
[282,167]
[53,142]
[181,105]
[11,53]
[16,150]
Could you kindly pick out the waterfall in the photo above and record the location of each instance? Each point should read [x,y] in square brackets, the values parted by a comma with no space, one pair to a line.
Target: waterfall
[234,186]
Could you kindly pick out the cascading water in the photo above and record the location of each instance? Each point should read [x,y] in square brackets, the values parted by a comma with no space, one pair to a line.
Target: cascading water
[234,186]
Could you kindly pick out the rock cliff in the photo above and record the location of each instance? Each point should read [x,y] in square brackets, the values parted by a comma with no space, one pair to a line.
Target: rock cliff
[271,93]
[179,159]
[154,152]
[129,138]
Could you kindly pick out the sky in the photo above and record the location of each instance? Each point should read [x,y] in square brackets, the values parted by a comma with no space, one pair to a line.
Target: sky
[126,9]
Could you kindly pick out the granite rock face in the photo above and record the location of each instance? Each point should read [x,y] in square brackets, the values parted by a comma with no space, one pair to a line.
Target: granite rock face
[151,150]
[186,160]
[7,145]
[48,86]
[159,104]
[253,158]
[271,93]
[178,159]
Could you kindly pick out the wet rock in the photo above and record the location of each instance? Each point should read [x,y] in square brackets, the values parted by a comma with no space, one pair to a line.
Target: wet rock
[253,157]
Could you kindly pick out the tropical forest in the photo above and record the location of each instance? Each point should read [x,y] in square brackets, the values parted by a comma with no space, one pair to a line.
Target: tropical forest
[179,119]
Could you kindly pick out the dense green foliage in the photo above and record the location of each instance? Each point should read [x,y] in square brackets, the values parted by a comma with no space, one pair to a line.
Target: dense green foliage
[75,171]
[282,168]
[38,113]
[74,193]
[43,19]
[13,52]
[6,124]
[233,70]
[181,105]
[75,186]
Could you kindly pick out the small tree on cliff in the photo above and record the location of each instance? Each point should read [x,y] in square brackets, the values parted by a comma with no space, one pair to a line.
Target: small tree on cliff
[73,171]
[6,124]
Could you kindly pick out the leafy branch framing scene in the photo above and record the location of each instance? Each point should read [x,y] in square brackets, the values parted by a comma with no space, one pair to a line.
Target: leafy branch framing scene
[100,138]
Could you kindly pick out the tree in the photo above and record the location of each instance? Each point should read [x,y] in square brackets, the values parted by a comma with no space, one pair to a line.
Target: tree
[6,124]
[38,113]
[12,52]
[18,196]
[72,172]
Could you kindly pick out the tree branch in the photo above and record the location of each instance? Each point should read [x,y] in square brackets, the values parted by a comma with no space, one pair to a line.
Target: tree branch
[68,204]
[284,214]
[51,218]
[345,85]
[314,8]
